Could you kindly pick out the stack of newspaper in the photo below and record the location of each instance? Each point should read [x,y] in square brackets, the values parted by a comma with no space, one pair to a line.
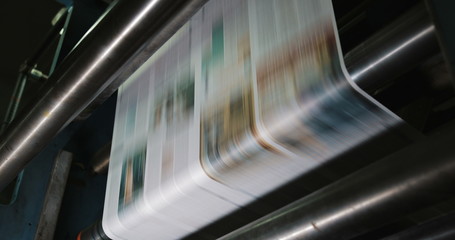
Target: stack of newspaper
[245,97]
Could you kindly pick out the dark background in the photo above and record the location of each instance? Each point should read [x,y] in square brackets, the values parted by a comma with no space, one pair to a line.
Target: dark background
[23,25]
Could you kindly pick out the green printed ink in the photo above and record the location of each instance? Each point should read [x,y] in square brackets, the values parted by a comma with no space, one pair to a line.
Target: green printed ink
[218,42]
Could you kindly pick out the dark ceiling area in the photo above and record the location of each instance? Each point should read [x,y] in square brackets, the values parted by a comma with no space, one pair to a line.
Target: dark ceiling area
[24,24]
[31,30]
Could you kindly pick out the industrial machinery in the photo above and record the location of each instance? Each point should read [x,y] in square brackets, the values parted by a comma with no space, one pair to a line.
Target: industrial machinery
[232,119]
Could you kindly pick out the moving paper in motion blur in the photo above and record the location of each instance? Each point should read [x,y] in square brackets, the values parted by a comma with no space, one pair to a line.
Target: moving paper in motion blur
[245,97]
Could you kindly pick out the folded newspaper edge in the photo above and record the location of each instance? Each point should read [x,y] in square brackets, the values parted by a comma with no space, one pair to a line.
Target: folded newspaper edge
[245,97]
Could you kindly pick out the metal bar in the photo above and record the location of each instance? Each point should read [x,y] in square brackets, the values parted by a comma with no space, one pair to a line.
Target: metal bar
[15,100]
[99,164]
[46,42]
[94,232]
[396,49]
[28,68]
[62,33]
[86,72]
[54,196]
[442,228]
[415,177]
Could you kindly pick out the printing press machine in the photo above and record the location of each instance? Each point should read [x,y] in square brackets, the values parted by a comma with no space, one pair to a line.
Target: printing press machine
[396,184]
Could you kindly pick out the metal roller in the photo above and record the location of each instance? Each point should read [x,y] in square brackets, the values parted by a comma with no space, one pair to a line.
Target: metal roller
[94,232]
[393,50]
[89,70]
[99,164]
[413,178]
[441,228]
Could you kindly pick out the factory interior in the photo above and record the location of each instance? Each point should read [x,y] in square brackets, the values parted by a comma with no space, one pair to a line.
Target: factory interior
[66,69]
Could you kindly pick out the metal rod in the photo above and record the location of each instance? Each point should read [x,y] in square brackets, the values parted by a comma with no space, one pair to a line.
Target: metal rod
[413,178]
[46,42]
[87,71]
[15,100]
[62,33]
[442,228]
[94,232]
[394,50]
[27,69]
[99,164]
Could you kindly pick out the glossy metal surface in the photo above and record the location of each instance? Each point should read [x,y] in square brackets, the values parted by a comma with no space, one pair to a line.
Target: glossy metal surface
[413,178]
[120,35]
[394,50]
[99,164]
[442,228]
[94,232]
[149,47]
